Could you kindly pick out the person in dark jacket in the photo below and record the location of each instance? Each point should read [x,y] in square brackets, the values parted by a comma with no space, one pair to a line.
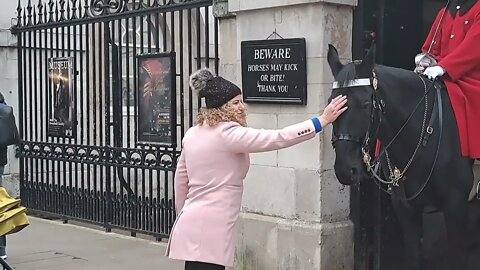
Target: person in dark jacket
[3,162]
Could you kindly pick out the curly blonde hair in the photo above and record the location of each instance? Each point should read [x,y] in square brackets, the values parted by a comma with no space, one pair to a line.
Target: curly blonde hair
[213,116]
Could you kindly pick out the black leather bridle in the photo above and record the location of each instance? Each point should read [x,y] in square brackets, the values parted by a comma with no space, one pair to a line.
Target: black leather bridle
[371,135]
[377,109]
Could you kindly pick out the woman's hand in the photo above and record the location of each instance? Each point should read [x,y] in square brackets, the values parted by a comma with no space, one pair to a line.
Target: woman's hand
[333,110]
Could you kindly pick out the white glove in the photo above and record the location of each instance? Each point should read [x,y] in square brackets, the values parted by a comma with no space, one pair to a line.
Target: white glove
[434,72]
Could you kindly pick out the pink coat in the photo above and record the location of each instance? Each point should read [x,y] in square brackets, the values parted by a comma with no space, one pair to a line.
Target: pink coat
[209,186]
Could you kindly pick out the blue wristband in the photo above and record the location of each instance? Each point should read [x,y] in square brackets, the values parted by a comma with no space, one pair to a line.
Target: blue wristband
[317,124]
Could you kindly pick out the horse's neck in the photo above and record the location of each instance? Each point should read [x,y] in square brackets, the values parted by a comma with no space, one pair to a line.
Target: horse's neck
[400,93]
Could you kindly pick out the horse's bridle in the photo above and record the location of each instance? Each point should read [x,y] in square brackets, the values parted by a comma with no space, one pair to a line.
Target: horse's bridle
[377,109]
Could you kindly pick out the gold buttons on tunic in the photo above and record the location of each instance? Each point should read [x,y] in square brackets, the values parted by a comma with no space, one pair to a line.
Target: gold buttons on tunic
[451,36]
[466,22]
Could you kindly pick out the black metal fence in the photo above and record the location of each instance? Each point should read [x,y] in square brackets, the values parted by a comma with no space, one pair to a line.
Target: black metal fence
[90,165]
[5,265]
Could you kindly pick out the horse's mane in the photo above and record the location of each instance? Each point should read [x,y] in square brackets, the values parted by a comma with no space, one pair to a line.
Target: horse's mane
[394,75]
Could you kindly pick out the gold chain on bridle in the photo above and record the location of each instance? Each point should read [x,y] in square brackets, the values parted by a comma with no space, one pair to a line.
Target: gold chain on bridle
[395,174]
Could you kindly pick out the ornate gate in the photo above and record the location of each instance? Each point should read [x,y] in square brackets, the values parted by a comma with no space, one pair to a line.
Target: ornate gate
[104,102]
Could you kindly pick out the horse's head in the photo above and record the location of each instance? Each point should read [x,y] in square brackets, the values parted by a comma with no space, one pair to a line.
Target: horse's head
[350,129]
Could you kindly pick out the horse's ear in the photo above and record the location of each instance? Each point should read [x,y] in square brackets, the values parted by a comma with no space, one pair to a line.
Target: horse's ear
[369,61]
[334,60]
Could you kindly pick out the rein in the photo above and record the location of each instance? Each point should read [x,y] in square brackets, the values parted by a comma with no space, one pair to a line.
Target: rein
[378,108]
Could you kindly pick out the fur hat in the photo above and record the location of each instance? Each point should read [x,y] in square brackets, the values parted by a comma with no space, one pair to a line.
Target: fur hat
[215,89]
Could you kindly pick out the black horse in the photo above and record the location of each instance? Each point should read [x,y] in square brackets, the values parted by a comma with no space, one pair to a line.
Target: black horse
[420,161]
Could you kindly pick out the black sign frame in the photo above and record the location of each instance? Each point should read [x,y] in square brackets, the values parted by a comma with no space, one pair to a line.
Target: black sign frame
[145,137]
[257,73]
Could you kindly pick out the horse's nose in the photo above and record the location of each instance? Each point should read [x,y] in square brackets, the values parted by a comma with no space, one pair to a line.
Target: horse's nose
[354,172]
[347,174]
[355,175]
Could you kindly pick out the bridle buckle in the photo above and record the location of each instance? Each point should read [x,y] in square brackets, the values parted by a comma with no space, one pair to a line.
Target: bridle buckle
[430,130]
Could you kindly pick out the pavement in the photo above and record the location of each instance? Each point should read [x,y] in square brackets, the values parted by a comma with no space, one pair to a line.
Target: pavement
[51,244]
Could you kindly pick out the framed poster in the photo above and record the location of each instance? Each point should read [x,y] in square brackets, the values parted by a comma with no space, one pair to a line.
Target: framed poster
[156,98]
[61,110]
[274,71]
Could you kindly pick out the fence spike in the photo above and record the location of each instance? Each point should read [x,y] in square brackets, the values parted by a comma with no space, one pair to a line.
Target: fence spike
[125,6]
[62,10]
[19,14]
[24,17]
[74,10]
[29,11]
[80,8]
[86,7]
[40,12]
[56,11]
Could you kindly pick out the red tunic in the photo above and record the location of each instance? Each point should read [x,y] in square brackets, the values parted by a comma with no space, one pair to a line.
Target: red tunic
[457,50]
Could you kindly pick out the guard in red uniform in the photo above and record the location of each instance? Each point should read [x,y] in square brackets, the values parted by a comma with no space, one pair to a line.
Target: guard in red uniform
[456,48]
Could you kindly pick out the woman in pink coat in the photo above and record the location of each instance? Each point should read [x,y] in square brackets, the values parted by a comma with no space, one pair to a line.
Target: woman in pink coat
[213,163]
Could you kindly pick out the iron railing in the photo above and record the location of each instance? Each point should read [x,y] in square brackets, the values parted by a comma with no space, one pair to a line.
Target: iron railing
[100,172]
[5,265]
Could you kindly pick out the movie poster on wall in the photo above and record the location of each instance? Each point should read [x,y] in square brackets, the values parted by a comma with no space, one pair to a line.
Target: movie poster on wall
[156,98]
[62,114]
